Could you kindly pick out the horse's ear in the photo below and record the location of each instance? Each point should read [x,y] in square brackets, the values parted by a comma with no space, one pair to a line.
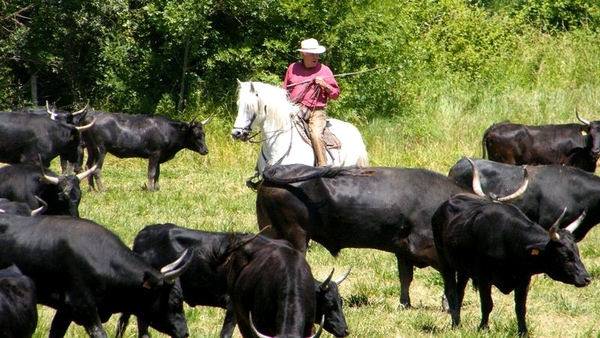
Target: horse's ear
[239,82]
[252,90]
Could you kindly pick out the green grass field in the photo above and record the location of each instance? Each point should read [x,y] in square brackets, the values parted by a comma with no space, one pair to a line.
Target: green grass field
[209,193]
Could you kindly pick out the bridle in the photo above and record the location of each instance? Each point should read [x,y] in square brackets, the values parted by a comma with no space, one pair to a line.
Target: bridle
[247,130]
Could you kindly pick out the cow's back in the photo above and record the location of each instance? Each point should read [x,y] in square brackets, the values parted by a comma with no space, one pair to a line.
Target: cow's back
[267,278]
[496,178]
[128,135]
[41,245]
[356,211]
[535,145]
[26,137]
[477,235]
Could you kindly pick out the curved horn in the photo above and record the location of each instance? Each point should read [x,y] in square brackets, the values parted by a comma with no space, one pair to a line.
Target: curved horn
[260,335]
[586,122]
[172,270]
[325,284]
[46,178]
[87,105]
[207,120]
[87,173]
[52,112]
[575,224]
[87,126]
[519,191]
[342,277]
[41,209]
[254,330]
[476,184]
[320,329]
[554,229]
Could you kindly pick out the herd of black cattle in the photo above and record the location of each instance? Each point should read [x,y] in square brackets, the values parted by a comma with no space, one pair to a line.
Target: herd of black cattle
[494,223]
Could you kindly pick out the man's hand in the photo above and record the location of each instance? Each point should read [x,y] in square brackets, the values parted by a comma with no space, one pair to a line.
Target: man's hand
[319,80]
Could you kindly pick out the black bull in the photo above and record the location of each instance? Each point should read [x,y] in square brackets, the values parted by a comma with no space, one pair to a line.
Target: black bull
[27,138]
[496,244]
[87,273]
[551,188]
[29,182]
[576,145]
[205,281]
[59,115]
[381,208]
[156,138]
[272,290]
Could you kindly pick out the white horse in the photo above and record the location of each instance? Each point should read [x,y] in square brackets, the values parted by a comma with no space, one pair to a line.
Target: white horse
[267,107]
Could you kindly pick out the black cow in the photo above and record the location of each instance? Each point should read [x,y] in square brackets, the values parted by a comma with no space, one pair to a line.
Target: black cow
[571,144]
[205,281]
[21,208]
[496,244]
[380,208]
[156,138]
[26,138]
[28,182]
[87,273]
[60,115]
[18,311]
[272,289]
[551,188]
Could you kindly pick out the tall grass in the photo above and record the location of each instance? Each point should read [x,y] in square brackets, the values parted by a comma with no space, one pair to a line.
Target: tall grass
[545,85]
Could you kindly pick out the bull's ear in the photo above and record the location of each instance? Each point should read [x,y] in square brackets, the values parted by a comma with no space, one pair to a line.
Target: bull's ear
[150,282]
[536,249]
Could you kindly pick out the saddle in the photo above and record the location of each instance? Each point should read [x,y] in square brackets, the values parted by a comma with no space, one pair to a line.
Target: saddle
[329,139]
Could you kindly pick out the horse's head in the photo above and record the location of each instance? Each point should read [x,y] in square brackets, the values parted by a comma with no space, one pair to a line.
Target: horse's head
[261,105]
[248,111]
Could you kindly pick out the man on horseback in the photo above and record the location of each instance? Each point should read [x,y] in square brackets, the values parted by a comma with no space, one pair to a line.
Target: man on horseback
[310,84]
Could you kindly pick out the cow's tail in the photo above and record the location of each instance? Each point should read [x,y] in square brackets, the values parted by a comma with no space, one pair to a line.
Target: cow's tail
[483,143]
[122,325]
[296,173]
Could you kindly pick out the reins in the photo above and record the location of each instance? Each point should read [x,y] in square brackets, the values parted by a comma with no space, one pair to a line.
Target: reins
[336,75]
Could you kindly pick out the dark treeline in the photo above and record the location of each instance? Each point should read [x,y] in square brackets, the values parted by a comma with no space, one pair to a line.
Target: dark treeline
[182,57]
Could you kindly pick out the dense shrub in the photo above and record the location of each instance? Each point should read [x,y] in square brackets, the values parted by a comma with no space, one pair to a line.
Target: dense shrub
[140,57]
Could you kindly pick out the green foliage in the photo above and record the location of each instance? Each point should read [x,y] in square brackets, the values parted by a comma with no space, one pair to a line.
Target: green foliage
[558,15]
[127,55]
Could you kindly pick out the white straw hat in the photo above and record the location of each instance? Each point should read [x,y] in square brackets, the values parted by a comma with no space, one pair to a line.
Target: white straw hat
[311,46]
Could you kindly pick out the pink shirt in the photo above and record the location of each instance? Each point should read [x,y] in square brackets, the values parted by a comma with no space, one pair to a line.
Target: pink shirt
[298,73]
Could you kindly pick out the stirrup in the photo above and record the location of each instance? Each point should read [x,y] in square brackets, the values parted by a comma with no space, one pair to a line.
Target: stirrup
[254,181]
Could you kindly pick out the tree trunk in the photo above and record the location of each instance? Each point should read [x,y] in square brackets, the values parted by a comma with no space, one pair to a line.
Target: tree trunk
[183,74]
[34,92]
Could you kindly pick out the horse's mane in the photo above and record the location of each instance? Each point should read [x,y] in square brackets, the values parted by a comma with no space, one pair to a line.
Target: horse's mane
[263,98]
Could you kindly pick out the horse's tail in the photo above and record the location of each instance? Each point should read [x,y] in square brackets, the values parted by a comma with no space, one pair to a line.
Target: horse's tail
[363,160]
